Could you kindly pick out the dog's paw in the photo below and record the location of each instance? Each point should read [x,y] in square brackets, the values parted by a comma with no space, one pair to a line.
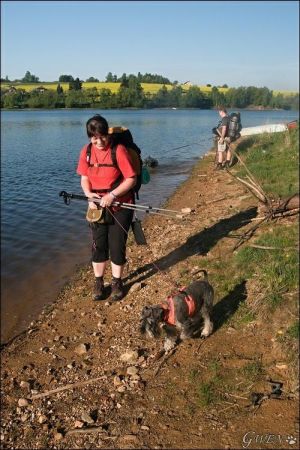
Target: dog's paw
[169,344]
[207,330]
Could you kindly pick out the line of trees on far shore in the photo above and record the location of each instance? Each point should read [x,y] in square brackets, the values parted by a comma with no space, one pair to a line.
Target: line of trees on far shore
[131,95]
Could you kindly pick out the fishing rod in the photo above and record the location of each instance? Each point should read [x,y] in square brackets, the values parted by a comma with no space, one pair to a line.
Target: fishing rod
[141,208]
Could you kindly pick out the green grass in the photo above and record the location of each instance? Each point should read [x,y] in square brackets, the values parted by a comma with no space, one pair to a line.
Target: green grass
[293,330]
[273,159]
[252,370]
[277,269]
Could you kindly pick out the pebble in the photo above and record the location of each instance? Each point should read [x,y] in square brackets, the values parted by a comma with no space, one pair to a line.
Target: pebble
[81,349]
[78,424]
[58,436]
[186,210]
[22,402]
[132,370]
[129,356]
[136,287]
[25,385]
[281,365]
[86,417]
[42,419]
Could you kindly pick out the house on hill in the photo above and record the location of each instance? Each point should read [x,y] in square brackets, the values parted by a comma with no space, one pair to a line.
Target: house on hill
[40,89]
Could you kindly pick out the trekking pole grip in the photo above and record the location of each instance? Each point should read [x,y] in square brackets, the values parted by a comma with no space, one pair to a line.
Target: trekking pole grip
[66,196]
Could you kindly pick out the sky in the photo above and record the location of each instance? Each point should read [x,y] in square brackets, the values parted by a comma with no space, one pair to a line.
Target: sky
[240,43]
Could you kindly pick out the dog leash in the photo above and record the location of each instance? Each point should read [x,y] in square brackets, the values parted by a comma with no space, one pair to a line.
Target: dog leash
[168,277]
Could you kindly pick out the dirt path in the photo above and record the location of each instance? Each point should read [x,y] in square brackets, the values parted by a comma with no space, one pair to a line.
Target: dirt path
[199,397]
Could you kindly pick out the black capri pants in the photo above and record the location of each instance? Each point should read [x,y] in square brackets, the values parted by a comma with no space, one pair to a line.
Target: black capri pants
[109,241]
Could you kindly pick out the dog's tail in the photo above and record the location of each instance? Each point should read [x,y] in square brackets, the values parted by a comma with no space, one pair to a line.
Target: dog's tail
[204,273]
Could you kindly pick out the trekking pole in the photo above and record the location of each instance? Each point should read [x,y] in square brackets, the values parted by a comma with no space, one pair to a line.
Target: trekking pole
[147,209]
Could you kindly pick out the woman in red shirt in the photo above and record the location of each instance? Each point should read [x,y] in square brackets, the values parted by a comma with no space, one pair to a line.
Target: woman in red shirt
[102,179]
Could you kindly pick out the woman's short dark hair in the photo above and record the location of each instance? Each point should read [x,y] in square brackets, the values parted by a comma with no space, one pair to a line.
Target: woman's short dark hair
[222,108]
[97,126]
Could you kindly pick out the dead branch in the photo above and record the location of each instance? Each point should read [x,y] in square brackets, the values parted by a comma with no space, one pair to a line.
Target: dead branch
[255,182]
[98,429]
[64,388]
[254,191]
[167,356]
[249,233]
[271,248]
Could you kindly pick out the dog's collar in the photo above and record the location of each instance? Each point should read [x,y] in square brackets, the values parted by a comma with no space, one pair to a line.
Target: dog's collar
[169,309]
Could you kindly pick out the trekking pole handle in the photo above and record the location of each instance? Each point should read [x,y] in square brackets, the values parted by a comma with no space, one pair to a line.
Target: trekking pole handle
[67,197]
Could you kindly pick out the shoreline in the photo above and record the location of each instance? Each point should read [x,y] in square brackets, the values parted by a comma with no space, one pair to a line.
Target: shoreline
[86,266]
[83,376]
[258,108]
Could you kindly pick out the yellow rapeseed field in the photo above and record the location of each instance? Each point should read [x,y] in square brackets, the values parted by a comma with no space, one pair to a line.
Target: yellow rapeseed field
[151,88]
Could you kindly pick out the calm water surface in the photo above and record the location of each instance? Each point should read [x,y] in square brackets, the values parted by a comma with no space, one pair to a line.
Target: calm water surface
[44,240]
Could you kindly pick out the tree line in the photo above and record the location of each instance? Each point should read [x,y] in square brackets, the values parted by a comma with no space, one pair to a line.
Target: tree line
[131,95]
[110,78]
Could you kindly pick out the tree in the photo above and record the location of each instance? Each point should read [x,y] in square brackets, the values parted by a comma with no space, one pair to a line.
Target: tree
[124,80]
[59,89]
[30,78]
[106,98]
[109,78]
[75,85]
[92,80]
[66,78]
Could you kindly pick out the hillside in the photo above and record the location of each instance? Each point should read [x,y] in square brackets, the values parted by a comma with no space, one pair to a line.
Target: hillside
[117,390]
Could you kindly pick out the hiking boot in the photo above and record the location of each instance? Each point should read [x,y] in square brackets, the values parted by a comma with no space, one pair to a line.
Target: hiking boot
[227,164]
[99,289]
[219,166]
[117,290]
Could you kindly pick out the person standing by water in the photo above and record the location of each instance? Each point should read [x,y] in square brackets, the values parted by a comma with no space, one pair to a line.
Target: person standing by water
[223,152]
[102,179]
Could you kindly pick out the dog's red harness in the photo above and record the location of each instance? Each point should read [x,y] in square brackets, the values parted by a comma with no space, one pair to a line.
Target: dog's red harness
[169,308]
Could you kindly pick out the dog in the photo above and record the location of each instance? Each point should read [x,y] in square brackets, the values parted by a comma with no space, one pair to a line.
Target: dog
[183,314]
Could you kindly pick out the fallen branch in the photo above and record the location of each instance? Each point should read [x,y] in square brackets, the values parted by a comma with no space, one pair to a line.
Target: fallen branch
[250,176]
[64,388]
[228,407]
[167,356]
[97,429]
[253,190]
[263,247]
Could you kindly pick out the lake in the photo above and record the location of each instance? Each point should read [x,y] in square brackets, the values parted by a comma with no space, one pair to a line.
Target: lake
[42,239]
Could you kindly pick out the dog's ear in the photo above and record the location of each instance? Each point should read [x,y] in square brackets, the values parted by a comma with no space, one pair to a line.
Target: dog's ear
[146,312]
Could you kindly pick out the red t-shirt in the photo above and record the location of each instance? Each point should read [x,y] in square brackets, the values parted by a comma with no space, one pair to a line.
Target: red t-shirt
[104,177]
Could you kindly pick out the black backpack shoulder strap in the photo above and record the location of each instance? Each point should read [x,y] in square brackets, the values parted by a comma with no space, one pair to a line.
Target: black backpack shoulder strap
[114,155]
[88,153]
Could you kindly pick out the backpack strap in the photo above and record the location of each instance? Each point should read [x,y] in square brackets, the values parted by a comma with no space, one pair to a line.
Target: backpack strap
[113,157]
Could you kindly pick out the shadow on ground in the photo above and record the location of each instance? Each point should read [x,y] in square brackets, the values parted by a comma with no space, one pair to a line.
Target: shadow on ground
[198,244]
[228,305]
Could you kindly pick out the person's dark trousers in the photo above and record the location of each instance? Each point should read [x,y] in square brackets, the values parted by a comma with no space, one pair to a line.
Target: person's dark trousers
[109,241]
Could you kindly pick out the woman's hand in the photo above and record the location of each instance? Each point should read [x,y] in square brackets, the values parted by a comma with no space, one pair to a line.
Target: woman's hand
[93,205]
[107,200]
